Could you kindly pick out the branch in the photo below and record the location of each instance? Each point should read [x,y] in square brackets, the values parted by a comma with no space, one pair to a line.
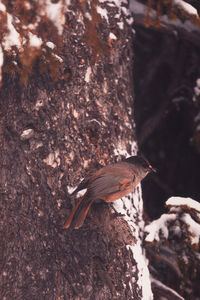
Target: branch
[188,29]
[163,290]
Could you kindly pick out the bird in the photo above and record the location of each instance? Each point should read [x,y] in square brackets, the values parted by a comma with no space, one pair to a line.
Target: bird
[109,183]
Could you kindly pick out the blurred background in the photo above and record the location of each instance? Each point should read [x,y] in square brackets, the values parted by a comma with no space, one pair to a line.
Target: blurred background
[167,100]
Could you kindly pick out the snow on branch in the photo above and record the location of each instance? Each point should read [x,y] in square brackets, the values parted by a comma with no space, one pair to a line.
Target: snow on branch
[165,291]
[136,7]
[181,18]
[188,8]
[159,226]
[183,218]
[193,229]
[181,202]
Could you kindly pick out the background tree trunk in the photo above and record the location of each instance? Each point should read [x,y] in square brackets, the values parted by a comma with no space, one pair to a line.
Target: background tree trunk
[51,134]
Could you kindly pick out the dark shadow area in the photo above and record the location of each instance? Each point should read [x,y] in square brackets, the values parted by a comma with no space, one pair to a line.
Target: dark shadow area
[166,70]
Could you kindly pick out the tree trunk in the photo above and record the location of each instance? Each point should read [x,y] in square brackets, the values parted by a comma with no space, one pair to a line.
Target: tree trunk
[51,135]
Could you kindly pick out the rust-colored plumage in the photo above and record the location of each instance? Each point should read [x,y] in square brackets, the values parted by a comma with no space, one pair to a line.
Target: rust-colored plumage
[109,184]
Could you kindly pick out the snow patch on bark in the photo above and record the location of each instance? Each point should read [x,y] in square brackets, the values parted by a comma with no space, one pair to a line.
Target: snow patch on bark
[103,13]
[143,272]
[87,74]
[27,134]
[56,13]
[50,45]
[34,40]
[132,208]
[12,38]
[112,36]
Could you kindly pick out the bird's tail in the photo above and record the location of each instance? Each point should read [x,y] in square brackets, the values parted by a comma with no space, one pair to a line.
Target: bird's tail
[79,213]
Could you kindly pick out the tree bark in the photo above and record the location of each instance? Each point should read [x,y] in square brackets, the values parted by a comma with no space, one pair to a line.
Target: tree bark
[51,135]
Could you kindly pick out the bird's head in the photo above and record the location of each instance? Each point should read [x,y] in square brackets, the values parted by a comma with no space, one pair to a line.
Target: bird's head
[141,163]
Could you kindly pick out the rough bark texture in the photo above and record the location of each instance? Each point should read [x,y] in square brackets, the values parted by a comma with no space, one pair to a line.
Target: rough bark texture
[51,134]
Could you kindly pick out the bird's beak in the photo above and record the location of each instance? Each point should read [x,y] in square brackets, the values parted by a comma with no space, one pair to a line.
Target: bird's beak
[151,169]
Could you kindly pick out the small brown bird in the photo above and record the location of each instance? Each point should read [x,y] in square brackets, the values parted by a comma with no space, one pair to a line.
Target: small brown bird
[109,184]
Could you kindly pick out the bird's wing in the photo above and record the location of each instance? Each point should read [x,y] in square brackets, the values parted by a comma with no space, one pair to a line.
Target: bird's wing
[110,182]
[83,185]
